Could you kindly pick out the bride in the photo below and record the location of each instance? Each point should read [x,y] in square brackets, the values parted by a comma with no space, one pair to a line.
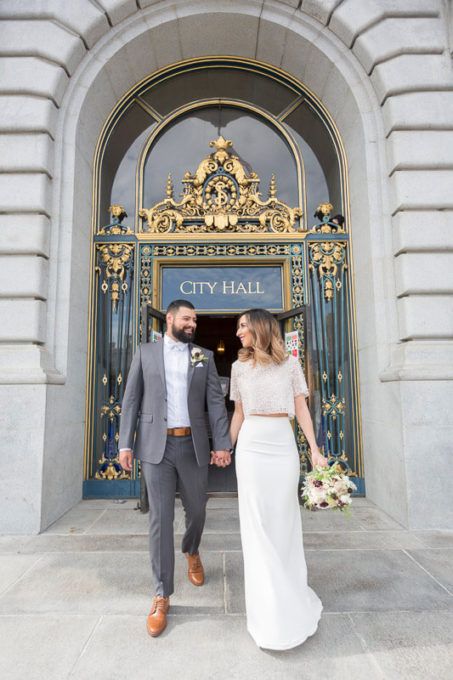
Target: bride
[269,388]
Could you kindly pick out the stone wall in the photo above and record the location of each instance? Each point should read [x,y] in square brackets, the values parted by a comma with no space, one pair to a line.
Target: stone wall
[383,70]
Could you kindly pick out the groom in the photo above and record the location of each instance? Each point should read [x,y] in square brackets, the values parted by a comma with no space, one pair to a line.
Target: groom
[169,385]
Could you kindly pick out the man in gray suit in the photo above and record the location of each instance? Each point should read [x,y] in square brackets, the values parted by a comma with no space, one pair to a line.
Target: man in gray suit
[169,386]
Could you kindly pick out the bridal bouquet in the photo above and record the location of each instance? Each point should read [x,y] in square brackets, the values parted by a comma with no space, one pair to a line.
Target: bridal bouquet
[327,487]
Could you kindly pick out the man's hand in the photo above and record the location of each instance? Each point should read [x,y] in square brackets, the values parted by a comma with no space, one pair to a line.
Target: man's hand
[220,458]
[125,459]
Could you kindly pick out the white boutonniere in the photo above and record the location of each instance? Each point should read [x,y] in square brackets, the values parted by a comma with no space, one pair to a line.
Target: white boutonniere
[197,357]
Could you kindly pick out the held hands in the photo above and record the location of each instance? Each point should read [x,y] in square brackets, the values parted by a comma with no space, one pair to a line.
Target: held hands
[125,459]
[220,458]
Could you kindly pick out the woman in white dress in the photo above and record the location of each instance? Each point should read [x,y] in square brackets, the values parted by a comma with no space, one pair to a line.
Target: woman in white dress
[269,388]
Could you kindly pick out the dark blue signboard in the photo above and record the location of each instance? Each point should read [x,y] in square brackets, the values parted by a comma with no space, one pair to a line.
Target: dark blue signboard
[225,288]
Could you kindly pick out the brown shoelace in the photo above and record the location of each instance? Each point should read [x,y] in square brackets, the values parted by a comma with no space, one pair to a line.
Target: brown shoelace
[197,563]
[159,603]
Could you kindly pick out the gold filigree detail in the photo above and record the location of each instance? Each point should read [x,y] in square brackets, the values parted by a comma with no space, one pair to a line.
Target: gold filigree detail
[326,257]
[334,406]
[115,257]
[221,250]
[112,409]
[110,469]
[221,197]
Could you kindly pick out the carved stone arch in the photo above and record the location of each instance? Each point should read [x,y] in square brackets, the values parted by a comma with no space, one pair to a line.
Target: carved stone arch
[313,40]
[84,120]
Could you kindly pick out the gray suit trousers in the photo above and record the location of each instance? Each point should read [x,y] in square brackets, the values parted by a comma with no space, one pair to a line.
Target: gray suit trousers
[178,470]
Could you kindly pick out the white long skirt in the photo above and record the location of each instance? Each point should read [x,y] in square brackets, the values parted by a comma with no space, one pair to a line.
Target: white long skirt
[282,610]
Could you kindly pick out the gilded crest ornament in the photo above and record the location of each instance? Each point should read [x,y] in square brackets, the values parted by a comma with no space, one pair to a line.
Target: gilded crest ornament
[220,197]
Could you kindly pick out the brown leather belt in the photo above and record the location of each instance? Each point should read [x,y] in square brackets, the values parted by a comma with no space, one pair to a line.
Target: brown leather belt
[179,431]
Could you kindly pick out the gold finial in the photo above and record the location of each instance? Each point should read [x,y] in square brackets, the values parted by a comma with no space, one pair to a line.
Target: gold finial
[221,144]
[169,189]
[117,212]
[325,209]
[273,187]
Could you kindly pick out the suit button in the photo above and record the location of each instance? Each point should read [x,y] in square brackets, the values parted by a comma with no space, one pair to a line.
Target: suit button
[165,419]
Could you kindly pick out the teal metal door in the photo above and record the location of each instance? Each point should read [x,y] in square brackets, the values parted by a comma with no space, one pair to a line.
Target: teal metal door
[115,344]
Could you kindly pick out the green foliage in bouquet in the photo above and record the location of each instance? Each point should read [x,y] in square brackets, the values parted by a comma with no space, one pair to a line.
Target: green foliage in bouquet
[327,488]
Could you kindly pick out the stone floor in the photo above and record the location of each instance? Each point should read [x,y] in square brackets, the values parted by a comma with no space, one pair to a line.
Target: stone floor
[73,601]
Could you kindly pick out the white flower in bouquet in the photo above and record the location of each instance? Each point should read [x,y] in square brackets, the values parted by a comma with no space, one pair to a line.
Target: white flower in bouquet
[327,487]
[340,486]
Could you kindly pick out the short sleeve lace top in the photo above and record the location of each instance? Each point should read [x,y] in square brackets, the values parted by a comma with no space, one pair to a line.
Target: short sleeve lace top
[269,388]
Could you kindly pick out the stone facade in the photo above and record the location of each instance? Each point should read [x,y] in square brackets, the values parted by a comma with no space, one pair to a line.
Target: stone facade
[383,70]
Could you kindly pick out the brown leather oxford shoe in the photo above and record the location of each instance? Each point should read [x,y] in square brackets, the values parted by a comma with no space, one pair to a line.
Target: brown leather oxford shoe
[195,571]
[157,617]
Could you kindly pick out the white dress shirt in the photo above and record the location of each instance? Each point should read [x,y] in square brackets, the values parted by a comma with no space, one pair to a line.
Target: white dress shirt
[176,361]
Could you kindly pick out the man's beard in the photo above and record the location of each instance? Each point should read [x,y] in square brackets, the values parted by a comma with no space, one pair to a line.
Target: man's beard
[180,334]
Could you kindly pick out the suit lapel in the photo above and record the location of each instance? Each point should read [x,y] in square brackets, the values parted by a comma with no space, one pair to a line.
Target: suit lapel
[191,369]
[159,355]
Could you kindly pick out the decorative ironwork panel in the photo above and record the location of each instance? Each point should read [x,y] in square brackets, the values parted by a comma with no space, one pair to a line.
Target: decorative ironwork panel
[329,321]
[114,343]
[299,299]
[222,249]
[297,276]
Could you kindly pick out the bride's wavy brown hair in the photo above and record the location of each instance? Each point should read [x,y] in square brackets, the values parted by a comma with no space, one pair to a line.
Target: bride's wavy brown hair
[267,342]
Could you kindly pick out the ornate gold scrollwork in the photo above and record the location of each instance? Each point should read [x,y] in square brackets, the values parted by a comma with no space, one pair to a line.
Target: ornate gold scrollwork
[112,409]
[326,257]
[114,258]
[109,468]
[221,197]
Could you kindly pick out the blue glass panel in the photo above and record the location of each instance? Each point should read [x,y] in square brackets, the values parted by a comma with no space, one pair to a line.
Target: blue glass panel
[224,288]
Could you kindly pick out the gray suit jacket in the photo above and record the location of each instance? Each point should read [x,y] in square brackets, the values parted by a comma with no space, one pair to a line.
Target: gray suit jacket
[144,407]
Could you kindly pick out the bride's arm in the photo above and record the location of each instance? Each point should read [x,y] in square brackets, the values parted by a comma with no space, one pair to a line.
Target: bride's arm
[236,422]
[304,419]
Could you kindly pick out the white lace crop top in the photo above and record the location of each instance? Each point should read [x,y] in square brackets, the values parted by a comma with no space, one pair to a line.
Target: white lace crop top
[267,388]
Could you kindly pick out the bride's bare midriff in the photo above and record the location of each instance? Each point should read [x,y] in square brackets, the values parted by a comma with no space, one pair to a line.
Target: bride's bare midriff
[271,415]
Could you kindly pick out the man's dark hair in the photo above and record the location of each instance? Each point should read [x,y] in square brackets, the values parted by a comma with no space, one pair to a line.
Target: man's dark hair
[174,306]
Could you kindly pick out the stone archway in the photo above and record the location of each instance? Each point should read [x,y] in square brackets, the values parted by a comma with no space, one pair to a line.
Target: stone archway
[94,106]
[313,42]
